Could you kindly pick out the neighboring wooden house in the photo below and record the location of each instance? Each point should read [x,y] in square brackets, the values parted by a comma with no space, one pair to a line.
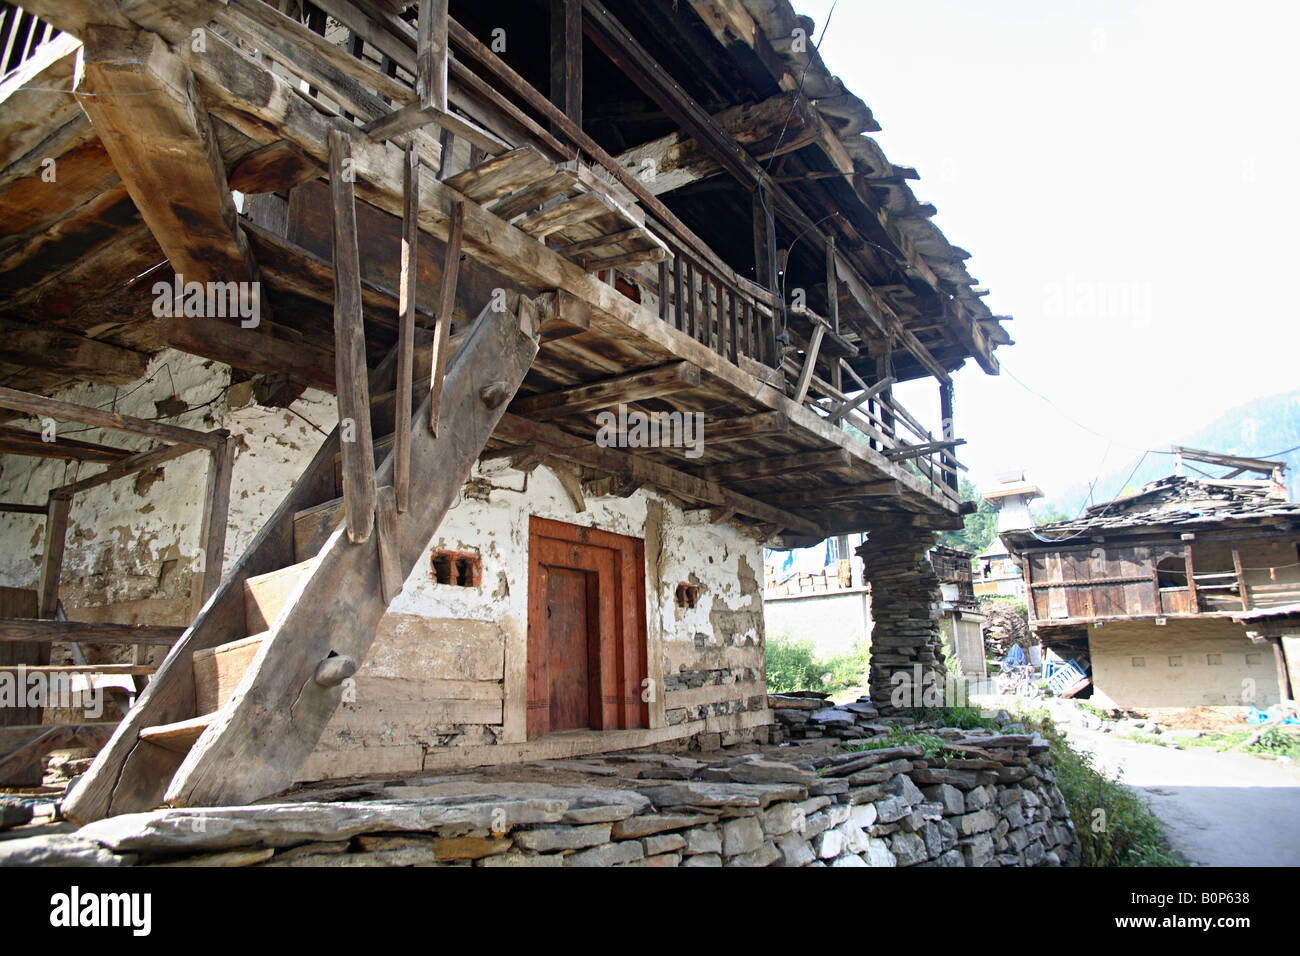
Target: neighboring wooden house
[961,619]
[333,334]
[1152,589]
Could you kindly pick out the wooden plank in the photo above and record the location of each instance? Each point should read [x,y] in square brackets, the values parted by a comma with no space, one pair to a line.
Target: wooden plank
[352,389]
[121,670]
[862,397]
[406,327]
[391,577]
[809,363]
[18,630]
[413,117]
[39,406]
[446,302]
[127,466]
[750,469]
[56,534]
[17,508]
[19,441]
[212,531]
[673,377]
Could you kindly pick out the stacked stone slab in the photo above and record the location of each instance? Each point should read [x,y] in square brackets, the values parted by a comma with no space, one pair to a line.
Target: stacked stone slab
[994,803]
[905,597]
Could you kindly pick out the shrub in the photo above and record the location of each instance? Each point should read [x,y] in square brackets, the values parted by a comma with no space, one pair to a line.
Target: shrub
[792,664]
[1126,833]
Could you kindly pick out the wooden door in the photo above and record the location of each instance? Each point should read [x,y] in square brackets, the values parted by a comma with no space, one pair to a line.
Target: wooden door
[572,641]
[586,629]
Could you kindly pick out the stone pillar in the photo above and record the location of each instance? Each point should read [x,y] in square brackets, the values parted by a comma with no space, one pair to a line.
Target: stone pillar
[905,617]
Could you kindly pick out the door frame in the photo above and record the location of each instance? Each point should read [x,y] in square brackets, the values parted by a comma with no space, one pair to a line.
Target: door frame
[618,562]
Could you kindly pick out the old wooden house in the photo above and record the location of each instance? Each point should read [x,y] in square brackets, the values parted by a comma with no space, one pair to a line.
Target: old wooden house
[1157,590]
[395,385]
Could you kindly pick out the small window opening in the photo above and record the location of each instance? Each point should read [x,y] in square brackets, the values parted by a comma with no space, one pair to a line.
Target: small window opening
[687,595]
[457,569]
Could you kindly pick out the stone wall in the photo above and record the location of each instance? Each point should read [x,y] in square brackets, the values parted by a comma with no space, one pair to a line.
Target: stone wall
[905,637]
[799,805]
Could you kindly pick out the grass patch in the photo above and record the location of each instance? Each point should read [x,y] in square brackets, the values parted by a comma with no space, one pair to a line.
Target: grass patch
[1113,824]
[792,664]
[1274,743]
[930,744]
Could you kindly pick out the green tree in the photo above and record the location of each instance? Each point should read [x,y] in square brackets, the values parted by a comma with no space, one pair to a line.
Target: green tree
[980,528]
[1049,514]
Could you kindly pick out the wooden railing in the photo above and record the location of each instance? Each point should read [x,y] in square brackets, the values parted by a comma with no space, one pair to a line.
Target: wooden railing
[20,36]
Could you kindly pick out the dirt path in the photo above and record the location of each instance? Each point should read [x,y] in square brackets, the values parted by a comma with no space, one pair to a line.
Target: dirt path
[1219,809]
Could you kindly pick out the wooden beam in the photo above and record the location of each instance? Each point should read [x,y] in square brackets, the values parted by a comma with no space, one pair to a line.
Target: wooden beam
[809,363]
[19,441]
[446,303]
[759,425]
[212,529]
[841,494]
[620,462]
[904,451]
[406,327]
[431,54]
[250,97]
[38,405]
[413,116]
[53,348]
[862,397]
[773,127]
[17,508]
[352,390]
[18,630]
[56,539]
[127,466]
[142,101]
[750,469]
[254,350]
[673,377]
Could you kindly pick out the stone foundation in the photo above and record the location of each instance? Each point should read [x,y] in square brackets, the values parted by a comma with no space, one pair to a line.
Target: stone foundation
[802,804]
[905,637]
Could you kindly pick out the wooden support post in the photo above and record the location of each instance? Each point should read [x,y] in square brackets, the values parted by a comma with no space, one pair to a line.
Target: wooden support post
[832,287]
[884,370]
[1191,578]
[949,432]
[446,143]
[446,304]
[351,387]
[431,54]
[1241,578]
[663,290]
[406,327]
[212,531]
[56,536]
[566,60]
[809,363]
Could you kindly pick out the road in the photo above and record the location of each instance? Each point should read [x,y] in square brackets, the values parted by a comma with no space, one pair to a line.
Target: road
[1219,809]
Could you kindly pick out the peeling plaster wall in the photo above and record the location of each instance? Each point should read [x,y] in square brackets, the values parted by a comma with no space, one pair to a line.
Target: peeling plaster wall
[444,683]
[131,543]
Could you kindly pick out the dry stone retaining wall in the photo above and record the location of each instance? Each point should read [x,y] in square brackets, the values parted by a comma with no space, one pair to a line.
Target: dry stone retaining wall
[794,805]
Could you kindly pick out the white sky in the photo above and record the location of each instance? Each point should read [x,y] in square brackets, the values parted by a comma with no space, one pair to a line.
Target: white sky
[1127,176]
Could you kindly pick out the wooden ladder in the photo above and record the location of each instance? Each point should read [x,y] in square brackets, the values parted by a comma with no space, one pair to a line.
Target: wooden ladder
[242,699]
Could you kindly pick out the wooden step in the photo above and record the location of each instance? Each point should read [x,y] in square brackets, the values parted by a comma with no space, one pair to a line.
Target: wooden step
[266,594]
[312,527]
[178,737]
[218,671]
